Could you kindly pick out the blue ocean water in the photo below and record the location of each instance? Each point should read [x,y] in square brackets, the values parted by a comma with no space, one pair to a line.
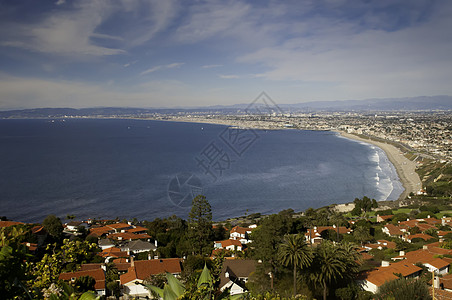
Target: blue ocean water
[138,168]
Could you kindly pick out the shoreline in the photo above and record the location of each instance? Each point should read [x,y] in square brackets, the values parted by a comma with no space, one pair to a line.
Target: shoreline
[405,168]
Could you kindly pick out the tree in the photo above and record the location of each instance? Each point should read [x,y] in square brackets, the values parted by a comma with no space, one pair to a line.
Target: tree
[333,262]
[200,225]
[294,251]
[53,226]
[363,205]
[13,272]
[56,260]
[266,240]
[404,289]
[84,284]
[362,234]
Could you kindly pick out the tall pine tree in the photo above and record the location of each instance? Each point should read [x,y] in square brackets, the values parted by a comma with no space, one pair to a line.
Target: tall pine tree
[200,226]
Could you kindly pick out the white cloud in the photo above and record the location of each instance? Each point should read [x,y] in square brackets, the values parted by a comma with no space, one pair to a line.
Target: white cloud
[210,66]
[162,67]
[65,33]
[73,32]
[344,62]
[231,76]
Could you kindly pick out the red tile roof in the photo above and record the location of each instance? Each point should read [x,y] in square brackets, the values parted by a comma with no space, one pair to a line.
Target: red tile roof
[113,252]
[241,230]
[423,236]
[229,242]
[393,230]
[97,274]
[387,244]
[142,269]
[118,226]
[9,223]
[383,274]
[424,256]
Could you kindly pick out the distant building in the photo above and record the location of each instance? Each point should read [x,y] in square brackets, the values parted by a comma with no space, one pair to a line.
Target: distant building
[233,245]
[96,272]
[235,274]
[143,269]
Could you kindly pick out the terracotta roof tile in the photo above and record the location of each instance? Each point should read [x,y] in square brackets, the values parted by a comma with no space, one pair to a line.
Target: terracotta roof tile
[9,223]
[142,269]
[97,274]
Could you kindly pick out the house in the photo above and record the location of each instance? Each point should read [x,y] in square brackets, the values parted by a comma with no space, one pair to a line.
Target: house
[241,234]
[384,218]
[233,245]
[113,252]
[445,283]
[314,235]
[423,236]
[119,227]
[235,274]
[97,273]
[73,226]
[105,244]
[446,221]
[40,233]
[138,246]
[386,244]
[392,230]
[374,279]
[122,264]
[143,269]
[427,259]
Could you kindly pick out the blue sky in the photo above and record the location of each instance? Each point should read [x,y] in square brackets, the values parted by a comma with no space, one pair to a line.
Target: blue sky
[167,53]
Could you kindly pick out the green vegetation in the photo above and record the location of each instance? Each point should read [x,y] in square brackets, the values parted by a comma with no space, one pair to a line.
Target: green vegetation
[404,289]
[290,267]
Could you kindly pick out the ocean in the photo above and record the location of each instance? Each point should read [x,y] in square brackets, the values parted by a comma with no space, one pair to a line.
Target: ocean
[97,168]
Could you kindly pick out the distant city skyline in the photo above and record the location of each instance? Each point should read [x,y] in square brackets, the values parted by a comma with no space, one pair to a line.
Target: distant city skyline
[88,53]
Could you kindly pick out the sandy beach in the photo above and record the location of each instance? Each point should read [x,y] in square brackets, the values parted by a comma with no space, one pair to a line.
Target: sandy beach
[405,168]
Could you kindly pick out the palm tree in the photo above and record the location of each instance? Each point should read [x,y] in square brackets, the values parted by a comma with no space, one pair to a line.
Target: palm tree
[329,265]
[294,251]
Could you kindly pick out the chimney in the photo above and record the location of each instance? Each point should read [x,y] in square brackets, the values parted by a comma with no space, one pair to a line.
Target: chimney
[334,226]
[155,243]
[226,274]
[132,262]
[384,263]
[149,256]
[436,282]
[402,253]
[428,217]
[103,267]
[425,247]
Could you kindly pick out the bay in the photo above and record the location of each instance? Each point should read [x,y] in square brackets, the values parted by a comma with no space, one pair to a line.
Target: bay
[98,168]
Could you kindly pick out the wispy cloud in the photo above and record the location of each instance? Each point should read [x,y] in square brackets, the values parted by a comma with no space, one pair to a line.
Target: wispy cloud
[231,76]
[162,67]
[210,66]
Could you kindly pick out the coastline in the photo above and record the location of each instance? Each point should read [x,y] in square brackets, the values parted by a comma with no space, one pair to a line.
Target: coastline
[405,168]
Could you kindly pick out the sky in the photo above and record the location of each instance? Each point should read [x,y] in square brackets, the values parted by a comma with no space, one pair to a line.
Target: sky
[188,53]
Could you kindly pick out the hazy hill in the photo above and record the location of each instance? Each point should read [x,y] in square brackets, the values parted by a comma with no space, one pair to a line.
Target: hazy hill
[425,103]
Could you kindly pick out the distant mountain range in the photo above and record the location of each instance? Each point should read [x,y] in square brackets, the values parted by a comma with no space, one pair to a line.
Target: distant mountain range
[423,103]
